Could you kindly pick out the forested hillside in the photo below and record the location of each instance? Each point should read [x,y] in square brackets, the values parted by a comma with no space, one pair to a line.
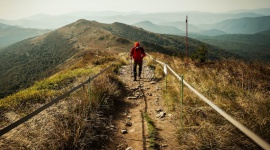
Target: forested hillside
[250,47]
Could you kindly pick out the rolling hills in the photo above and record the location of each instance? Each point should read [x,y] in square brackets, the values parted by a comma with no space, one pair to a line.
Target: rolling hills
[181,25]
[3,26]
[12,34]
[149,26]
[177,28]
[249,46]
[245,25]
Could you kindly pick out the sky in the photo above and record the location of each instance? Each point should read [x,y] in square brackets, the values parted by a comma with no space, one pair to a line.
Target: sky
[17,9]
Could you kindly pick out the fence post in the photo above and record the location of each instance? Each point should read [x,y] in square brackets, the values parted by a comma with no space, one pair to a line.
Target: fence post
[89,96]
[181,103]
[166,85]
[166,73]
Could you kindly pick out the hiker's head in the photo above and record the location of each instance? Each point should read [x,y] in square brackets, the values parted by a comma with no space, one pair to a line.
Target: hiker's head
[137,44]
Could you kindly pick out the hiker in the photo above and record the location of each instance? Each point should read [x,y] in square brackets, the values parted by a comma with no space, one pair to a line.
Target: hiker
[137,53]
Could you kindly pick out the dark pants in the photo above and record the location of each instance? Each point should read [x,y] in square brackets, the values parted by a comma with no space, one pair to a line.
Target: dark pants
[135,68]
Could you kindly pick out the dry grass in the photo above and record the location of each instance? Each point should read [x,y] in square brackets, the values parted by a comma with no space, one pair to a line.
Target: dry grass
[241,89]
[41,90]
[80,121]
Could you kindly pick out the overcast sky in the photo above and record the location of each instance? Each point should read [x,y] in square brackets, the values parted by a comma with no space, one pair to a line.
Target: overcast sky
[15,9]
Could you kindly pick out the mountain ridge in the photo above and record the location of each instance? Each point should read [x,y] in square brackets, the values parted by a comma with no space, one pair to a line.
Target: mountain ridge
[36,58]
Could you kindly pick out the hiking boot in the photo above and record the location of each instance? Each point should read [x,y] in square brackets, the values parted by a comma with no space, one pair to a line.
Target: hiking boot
[134,79]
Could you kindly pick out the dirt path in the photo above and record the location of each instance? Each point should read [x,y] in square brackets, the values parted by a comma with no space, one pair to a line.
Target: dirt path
[143,97]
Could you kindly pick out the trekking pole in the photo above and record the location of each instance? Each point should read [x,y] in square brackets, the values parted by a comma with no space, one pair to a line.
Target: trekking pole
[130,67]
[143,70]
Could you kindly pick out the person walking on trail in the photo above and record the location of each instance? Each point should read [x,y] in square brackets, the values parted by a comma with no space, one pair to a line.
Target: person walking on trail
[137,53]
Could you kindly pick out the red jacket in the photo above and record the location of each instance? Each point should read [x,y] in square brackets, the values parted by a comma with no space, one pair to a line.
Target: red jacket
[137,53]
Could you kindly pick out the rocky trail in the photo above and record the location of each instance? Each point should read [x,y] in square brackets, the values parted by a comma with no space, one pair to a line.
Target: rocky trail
[142,111]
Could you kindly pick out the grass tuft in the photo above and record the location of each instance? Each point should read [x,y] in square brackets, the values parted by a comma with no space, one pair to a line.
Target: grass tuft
[152,132]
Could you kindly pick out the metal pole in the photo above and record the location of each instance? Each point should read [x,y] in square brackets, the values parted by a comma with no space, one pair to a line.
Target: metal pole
[182,98]
[186,39]
[166,74]
[131,67]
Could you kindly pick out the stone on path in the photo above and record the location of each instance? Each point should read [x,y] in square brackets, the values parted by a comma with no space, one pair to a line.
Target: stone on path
[159,110]
[161,114]
[132,97]
[124,131]
[149,94]
[129,148]
[129,124]
[153,82]
[134,89]
[164,145]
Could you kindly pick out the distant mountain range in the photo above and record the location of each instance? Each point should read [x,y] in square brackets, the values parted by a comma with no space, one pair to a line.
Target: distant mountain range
[12,34]
[52,22]
[245,25]
[181,25]
[261,11]
[147,25]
